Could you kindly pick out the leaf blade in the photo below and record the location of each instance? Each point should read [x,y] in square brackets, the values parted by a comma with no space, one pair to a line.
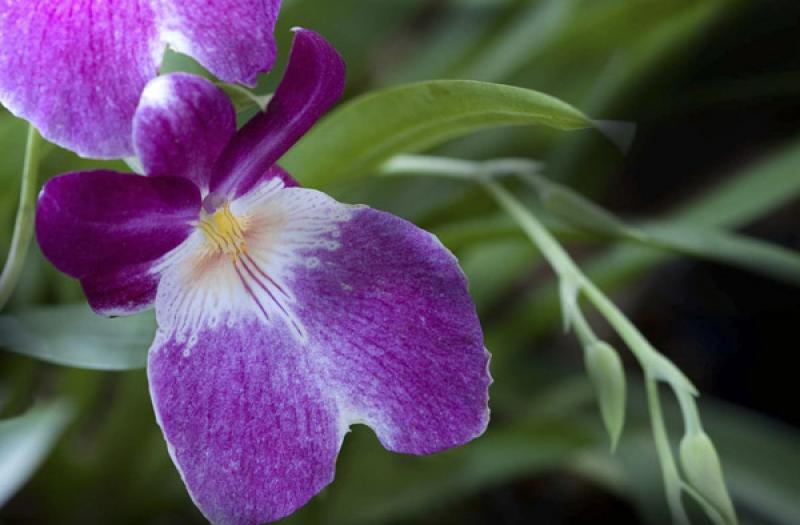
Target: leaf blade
[370,129]
[25,441]
[75,336]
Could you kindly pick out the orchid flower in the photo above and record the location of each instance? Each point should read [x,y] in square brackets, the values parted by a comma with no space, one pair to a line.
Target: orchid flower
[284,317]
[76,68]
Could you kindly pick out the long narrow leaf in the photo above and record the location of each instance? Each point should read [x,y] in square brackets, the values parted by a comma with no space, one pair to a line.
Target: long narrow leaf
[370,129]
[75,336]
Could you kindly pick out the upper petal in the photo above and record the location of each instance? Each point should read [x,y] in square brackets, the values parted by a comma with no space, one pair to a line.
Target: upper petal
[76,68]
[108,229]
[232,38]
[313,82]
[182,124]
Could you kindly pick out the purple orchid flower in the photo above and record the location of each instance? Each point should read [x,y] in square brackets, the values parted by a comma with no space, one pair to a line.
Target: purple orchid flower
[76,68]
[283,316]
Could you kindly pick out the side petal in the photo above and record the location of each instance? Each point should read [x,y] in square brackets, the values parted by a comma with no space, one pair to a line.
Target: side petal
[390,311]
[76,68]
[252,432]
[313,82]
[109,229]
[182,124]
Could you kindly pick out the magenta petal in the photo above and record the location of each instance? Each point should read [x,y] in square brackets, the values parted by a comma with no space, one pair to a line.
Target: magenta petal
[404,345]
[232,38]
[314,80]
[182,124]
[333,315]
[247,423]
[108,229]
[76,68]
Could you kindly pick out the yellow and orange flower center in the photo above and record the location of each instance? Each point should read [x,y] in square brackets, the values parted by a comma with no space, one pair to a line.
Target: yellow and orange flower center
[224,232]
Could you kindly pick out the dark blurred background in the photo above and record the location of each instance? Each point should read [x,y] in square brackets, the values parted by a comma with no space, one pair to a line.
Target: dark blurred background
[714,90]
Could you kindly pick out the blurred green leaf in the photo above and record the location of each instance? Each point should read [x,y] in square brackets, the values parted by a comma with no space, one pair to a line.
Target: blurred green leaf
[719,245]
[75,336]
[761,458]
[372,128]
[380,487]
[681,236]
[25,441]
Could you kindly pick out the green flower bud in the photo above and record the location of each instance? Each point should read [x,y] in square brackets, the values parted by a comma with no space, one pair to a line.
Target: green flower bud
[605,370]
[704,472]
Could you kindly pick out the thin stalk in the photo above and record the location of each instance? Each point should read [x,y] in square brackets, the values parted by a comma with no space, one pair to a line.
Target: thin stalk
[656,367]
[23,226]
[669,470]
[654,364]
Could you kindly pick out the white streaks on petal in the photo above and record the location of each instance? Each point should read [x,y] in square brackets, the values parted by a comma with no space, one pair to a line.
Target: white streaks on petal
[158,93]
[205,287]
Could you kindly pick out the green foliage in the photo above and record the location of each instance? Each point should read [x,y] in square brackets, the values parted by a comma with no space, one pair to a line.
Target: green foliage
[367,131]
[611,59]
[73,335]
[25,441]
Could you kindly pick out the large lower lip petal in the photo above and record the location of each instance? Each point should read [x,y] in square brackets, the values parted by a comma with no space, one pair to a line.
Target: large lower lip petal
[292,317]
[403,346]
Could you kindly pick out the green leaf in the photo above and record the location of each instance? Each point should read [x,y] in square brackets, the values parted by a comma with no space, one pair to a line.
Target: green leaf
[243,99]
[25,441]
[760,256]
[75,336]
[370,129]
[374,486]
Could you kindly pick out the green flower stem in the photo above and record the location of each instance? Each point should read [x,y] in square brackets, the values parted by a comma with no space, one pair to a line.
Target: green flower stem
[574,282]
[23,227]
[584,330]
[669,469]
[655,365]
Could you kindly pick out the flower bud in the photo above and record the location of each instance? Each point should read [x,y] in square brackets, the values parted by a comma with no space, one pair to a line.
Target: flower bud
[605,370]
[704,473]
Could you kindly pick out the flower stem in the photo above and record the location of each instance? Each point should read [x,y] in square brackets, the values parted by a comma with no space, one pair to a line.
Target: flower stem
[574,282]
[23,227]
[669,469]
